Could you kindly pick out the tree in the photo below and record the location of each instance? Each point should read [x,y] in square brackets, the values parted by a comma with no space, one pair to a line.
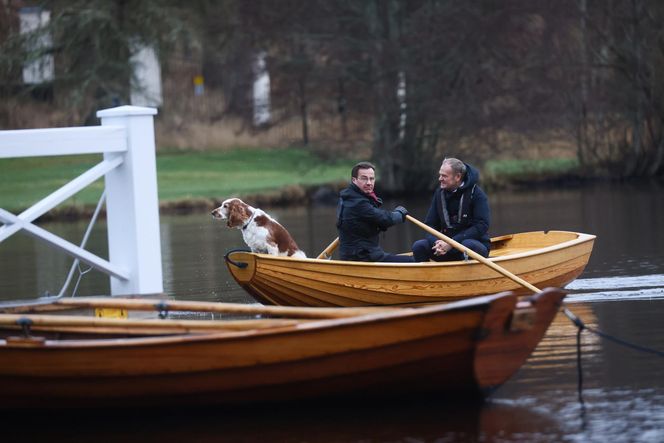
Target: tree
[92,42]
[620,117]
[431,78]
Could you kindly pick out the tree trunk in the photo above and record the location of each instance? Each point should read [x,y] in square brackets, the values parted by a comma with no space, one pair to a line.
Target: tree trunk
[303,111]
[657,161]
[341,108]
[582,132]
[636,151]
[387,147]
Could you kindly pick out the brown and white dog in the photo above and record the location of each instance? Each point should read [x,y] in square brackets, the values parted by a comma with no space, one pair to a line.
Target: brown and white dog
[261,232]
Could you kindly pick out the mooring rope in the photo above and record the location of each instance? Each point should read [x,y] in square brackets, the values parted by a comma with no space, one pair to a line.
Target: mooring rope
[579,368]
[582,326]
[48,298]
[77,262]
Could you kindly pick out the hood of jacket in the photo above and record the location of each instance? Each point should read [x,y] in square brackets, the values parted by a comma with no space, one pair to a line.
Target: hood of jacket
[471,179]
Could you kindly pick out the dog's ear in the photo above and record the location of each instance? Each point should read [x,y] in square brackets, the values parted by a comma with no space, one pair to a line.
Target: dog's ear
[246,212]
[237,213]
[233,217]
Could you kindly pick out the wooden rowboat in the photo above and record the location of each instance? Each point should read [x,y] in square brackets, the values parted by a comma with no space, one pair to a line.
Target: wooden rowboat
[468,347]
[544,258]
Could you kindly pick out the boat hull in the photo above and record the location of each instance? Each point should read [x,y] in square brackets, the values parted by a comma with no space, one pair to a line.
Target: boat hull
[544,259]
[469,347]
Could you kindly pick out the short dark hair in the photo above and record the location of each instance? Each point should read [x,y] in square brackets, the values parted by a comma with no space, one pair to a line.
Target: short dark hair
[361,165]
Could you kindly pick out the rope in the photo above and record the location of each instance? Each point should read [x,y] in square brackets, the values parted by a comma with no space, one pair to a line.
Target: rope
[81,273]
[579,324]
[238,264]
[77,263]
[579,368]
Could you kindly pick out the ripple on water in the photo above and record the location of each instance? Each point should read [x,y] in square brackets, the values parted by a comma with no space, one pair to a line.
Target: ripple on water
[641,287]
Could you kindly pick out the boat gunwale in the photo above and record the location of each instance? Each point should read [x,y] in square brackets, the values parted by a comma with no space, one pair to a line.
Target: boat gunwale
[581,238]
[390,313]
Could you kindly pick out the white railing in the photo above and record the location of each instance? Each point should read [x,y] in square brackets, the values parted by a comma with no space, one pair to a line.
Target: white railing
[126,139]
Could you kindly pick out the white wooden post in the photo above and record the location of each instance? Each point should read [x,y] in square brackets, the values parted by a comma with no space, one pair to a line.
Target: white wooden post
[132,203]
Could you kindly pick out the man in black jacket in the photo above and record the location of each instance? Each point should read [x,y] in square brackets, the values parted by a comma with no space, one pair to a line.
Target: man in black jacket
[360,219]
[460,210]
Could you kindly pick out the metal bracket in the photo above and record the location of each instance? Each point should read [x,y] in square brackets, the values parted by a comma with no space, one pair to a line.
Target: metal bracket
[25,323]
[240,265]
[523,319]
[162,307]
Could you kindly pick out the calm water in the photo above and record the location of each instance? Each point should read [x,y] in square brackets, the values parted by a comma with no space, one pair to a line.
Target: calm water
[621,293]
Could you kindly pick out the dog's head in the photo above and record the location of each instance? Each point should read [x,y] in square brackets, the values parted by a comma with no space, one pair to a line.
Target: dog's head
[235,211]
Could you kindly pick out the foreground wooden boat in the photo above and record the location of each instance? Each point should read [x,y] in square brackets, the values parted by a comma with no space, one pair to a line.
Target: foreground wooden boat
[544,258]
[469,348]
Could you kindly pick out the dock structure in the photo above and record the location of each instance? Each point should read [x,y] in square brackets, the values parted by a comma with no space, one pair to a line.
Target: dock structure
[126,140]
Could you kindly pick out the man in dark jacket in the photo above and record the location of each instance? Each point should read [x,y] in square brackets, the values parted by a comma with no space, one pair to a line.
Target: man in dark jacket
[360,219]
[460,210]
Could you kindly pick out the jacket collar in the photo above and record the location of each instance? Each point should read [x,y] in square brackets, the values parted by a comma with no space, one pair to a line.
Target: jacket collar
[371,197]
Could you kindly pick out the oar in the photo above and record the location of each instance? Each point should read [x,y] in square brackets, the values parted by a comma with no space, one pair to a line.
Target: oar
[576,320]
[474,255]
[327,252]
[229,308]
[155,326]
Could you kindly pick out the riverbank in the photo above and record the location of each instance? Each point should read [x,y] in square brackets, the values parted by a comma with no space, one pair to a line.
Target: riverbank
[188,180]
[193,181]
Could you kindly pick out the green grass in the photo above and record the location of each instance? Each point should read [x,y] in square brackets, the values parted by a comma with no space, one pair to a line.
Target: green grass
[506,169]
[181,175]
[189,175]
[23,181]
[245,171]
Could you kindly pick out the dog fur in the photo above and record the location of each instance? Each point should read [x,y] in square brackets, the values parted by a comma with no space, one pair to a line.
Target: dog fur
[260,232]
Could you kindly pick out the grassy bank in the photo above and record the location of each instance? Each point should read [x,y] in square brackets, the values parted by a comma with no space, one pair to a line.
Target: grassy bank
[184,177]
[498,173]
[196,180]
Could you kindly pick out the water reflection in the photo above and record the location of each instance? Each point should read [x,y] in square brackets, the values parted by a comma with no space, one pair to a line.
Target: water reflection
[641,287]
[414,421]
[628,244]
[623,389]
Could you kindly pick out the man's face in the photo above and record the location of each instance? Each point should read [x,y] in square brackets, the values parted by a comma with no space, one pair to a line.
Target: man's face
[449,180]
[366,178]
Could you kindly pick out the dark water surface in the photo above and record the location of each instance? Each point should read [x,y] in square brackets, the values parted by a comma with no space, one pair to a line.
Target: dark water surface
[620,293]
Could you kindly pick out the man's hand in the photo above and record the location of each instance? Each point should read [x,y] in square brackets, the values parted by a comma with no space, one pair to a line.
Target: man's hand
[402,211]
[440,248]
